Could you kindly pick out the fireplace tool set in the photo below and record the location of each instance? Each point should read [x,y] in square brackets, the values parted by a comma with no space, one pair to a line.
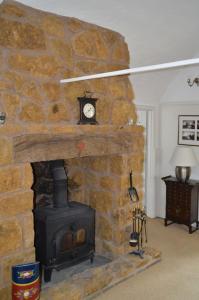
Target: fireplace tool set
[138,222]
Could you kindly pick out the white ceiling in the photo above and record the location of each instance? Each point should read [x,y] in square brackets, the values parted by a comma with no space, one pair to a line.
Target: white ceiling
[156,31]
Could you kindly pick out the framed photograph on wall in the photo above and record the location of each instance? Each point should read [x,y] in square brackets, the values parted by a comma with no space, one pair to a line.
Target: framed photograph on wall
[188,130]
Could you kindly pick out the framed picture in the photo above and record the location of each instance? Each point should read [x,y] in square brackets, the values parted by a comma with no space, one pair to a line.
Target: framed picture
[188,130]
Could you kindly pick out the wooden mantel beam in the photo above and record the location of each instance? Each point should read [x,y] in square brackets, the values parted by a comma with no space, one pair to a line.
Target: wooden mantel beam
[43,147]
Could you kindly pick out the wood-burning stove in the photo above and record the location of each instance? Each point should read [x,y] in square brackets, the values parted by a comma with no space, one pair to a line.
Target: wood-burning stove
[65,230]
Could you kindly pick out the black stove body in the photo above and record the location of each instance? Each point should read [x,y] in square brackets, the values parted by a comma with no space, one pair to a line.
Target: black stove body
[64,231]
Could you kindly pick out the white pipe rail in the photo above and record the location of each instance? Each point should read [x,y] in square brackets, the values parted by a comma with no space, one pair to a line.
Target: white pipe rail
[170,65]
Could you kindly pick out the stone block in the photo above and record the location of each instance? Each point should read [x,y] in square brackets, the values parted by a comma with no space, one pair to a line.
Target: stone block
[104,107]
[28,230]
[91,179]
[119,236]
[78,195]
[11,129]
[123,216]
[99,86]
[73,162]
[120,52]
[120,216]
[3,84]
[101,201]
[11,103]
[38,66]
[75,25]
[109,183]
[104,228]
[12,10]
[31,90]
[87,67]
[112,250]
[21,35]
[58,112]
[63,51]
[97,282]
[6,152]
[53,25]
[44,294]
[98,164]
[61,128]
[31,112]
[136,161]
[16,203]
[7,263]
[138,181]
[90,43]
[52,91]
[124,182]
[117,164]
[16,79]
[130,92]
[65,291]
[122,268]
[138,143]
[154,253]
[6,293]
[10,236]
[117,88]
[122,112]
[142,263]
[10,179]
[34,128]
[28,176]
[111,37]
[74,90]
[121,200]
[23,87]
[77,178]
[1,59]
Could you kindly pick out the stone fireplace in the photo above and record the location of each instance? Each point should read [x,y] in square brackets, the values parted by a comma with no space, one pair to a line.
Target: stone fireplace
[37,49]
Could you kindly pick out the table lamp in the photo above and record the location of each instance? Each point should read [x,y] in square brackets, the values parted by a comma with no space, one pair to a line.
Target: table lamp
[183,158]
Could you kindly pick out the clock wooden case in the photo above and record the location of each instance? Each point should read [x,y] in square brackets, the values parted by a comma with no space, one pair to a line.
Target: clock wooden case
[87,110]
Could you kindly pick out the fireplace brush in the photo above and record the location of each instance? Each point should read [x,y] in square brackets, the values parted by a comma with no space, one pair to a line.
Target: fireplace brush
[139,230]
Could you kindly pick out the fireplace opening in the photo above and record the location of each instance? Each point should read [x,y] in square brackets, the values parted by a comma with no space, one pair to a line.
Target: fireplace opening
[64,230]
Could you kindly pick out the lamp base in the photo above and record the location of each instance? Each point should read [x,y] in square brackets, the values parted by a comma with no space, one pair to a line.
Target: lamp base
[183,173]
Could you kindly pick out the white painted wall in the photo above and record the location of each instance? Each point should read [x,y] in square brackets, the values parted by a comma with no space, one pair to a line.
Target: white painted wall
[168,140]
[178,91]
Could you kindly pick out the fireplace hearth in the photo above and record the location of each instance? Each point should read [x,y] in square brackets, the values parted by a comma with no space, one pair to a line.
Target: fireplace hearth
[64,230]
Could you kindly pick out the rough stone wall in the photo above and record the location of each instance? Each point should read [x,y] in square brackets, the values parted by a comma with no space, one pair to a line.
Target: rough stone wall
[102,182]
[37,49]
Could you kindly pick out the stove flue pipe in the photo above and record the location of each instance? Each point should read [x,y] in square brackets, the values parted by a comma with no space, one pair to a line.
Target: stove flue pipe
[60,196]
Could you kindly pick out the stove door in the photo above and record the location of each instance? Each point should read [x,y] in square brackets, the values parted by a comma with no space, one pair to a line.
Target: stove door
[73,241]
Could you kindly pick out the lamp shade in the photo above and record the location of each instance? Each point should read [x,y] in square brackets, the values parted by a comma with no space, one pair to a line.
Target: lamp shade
[183,157]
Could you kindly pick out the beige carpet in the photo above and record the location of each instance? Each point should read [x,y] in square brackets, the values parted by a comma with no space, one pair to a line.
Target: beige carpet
[176,277]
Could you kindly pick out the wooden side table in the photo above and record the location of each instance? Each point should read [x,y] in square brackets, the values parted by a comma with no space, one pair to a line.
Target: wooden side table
[182,202]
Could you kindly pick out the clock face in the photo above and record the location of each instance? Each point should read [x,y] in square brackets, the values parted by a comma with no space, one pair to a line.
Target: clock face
[89,110]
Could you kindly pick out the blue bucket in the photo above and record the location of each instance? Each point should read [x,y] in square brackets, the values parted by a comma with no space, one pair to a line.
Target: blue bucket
[26,281]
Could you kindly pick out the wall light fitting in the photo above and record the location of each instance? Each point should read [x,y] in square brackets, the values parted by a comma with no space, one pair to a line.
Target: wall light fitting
[196,81]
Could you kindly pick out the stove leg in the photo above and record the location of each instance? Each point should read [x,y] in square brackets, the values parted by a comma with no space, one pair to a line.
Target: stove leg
[47,274]
[92,258]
